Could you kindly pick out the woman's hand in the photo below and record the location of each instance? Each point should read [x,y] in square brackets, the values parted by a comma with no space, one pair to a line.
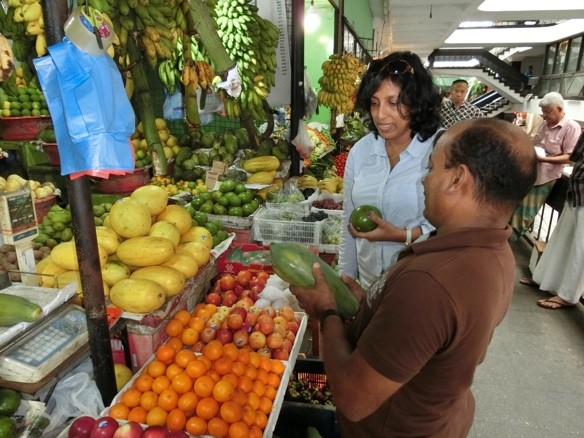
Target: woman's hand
[385,231]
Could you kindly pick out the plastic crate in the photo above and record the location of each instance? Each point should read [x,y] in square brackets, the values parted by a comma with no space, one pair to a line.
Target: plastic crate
[23,128]
[274,225]
[303,206]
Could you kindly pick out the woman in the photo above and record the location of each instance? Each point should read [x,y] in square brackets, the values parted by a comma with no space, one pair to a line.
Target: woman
[385,168]
[560,267]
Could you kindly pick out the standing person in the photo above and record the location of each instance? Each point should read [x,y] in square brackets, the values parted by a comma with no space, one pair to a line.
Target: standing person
[529,72]
[385,168]
[556,138]
[560,267]
[416,347]
[456,108]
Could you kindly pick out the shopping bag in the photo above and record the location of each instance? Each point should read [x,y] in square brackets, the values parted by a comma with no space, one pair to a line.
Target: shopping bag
[92,116]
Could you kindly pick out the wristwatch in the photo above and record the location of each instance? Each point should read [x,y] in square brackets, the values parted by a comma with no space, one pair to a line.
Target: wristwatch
[408,236]
[329,312]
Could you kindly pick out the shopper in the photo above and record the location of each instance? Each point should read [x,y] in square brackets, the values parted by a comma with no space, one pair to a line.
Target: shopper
[404,366]
[385,168]
[560,268]
[456,108]
[556,139]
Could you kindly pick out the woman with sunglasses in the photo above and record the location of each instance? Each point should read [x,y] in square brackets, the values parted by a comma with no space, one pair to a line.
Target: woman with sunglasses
[385,168]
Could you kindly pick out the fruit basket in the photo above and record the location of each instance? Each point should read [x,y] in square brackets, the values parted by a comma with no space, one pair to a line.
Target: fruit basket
[124,183]
[42,206]
[23,128]
[53,152]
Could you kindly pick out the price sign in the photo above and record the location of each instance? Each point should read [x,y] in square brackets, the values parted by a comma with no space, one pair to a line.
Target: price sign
[18,217]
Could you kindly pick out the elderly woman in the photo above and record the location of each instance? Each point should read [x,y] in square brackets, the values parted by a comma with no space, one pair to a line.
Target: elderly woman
[385,168]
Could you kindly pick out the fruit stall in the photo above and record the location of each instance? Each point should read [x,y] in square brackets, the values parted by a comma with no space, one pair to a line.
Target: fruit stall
[189,284]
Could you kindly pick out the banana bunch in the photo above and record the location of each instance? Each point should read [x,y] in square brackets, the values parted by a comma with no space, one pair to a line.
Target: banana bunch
[6,59]
[339,82]
[251,42]
[23,20]
[140,145]
[307,181]
[331,185]
[198,73]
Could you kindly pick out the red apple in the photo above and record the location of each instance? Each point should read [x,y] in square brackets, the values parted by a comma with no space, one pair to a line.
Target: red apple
[239,310]
[270,311]
[256,340]
[234,321]
[198,347]
[240,338]
[287,312]
[229,298]
[156,432]
[227,282]
[81,427]
[281,354]
[104,427]
[293,326]
[243,277]
[274,340]
[287,345]
[238,289]
[280,320]
[243,304]
[178,434]
[213,298]
[131,429]
[290,336]
[208,334]
[224,335]
[264,352]
[265,325]
[251,318]
[246,326]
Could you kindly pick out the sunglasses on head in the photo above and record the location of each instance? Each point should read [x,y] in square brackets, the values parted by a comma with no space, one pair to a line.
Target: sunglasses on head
[398,67]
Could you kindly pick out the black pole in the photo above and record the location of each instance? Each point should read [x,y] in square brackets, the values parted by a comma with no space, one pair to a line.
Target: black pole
[297,85]
[55,14]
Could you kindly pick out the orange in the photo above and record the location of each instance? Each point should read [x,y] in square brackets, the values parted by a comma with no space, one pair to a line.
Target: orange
[259,388]
[231,378]
[270,392]
[196,368]
[214,375]
[238,368]
[265,405]
[156,368]
[239,430]
[197,323]
[148,400]
[175,343]
[255,432]
[196,426]
[254,359]
[206,360]
[253,400]
[143,382]
[273,380]
[251,372]
[119,411]
[262,376]
[189,336]
[207,408]
[165,354]
[204,386]
[183,357]
[181,383]
[168,399]
[231,351]
[239,397]
[172,370]
[160,383]
[223,365]
[231,411]
[223,390]
[156,417]
[131,397]
[183,316]
[174,328]
[248,415]
[137,414]
[198,307]
[218,427]
[243,356]
[211,308]
[278,367]
[187,402]
[245,384]
[213,350]
[261,419]
[265,364]
[176,420]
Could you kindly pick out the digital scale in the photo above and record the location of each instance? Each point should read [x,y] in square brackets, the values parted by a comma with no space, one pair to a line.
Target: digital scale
[19,227]
[35,354]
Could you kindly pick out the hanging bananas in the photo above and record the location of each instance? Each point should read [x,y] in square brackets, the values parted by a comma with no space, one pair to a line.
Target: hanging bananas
[6,59]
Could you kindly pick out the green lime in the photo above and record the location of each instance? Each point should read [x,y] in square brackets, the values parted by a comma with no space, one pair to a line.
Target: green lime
[35,112]
[235,211]
[21,90]
[27,105]
[219,209]
[7,427]
[227,185]
[24,98]
[36,105]
[206,196]
[248,208]
[15,113]
[215,195]
[246,196]
[239,188]
[255,203]
[207,207]
[212,228]
[190,209]
[197,201]
[25,112]
[44,112]
[223,200]
[222,235]
[194,223]
[216,241]
[235,201]
[201,218]
[217,223]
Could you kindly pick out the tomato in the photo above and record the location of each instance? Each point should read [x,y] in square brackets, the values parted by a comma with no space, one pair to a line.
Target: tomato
[361,221]
[243,277]
[227,282]
[263,275]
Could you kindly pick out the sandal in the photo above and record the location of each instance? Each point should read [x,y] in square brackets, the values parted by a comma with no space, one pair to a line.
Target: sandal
[551,304]
[527,281]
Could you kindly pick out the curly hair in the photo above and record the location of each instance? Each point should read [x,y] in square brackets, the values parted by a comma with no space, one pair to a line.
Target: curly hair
[417,92]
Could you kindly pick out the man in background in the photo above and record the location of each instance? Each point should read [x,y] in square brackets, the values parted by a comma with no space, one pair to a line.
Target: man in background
[554,143]
[456,108]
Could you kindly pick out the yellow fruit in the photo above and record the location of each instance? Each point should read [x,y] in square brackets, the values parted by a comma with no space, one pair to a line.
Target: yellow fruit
[66,277]
[184,263]
[262,177]
[198,234]
[196,250]
[114,271]
[261,164]
[137,295]
[107,238]
[169,278]
[123,375]
[129,218]
[65,255]
[167,230]
[153,197]
[48,271]
[145,251]
[178,215]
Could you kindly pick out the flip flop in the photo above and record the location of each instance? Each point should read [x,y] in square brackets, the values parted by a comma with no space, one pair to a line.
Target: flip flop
[528,282]
[550,304]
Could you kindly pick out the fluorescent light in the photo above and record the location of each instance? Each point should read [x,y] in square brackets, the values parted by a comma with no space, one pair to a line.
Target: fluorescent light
[311,19]
[531,5]
[453,64]
[530,22]
[526,35]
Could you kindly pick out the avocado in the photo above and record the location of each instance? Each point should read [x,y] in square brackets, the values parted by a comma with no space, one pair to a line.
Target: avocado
[9,402]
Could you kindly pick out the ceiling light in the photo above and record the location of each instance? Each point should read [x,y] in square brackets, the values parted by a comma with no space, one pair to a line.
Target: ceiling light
[311,19]
[530,22]
[466,24]
[454,64]
[531,5]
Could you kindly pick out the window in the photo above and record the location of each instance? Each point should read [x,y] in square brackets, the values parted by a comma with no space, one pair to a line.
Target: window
[574,54]
[550,58]
[561,57]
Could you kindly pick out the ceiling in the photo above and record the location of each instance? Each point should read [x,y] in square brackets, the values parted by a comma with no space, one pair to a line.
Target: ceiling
[424,25]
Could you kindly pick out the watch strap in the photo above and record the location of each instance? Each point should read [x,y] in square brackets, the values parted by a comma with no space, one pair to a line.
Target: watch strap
[329,312]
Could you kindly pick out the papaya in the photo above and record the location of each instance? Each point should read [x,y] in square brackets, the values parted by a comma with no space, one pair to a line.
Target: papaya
[184,263]
[145,251]
[154,198]
[65,255]
[167,230]
[129,218]
[137,295]
[9,402]
[15,309]
[169,278]
[177,215]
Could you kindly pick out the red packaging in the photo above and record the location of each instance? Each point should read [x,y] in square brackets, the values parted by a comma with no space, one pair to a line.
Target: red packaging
[245,256]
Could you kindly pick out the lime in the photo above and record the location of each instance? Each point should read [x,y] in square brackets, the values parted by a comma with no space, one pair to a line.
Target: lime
[194,223]
[197,201]
[235,211]
[207,207]
[215,195]
[35,112]
[222,235]
[246,196]
[25,112]
[7,427]
[219,209]
[216,241]
[217,223]
[239,188]
[201,218]
[248,208]
[212,228]
[44,112]
[5,113]
[227,185]
[21,90]
[235,201]
[190,209]
[24,98]
[27,105]
[224,201]
[36,105]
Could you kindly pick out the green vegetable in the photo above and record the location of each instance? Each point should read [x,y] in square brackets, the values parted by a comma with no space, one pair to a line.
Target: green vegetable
[361,221]
[7,427]
[293,263]
[9,402]
[15,309]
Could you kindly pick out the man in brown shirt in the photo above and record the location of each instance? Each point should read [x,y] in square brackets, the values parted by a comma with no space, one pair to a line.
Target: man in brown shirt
[405,365]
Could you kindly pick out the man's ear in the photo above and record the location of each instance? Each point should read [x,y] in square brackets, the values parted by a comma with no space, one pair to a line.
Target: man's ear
[460,178]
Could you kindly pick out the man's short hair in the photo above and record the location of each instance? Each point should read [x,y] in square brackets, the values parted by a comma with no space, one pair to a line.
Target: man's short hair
[500,157]
[552,99]
[459,81]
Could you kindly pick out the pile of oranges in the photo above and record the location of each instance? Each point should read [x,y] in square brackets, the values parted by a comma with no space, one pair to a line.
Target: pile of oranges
[224,391]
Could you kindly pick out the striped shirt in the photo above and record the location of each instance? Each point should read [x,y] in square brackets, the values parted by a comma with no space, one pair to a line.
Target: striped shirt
[450,114]
[576,181]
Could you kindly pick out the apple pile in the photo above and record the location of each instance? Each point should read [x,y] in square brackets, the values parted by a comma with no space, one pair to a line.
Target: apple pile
[108,427]
[267,331]
[230,288]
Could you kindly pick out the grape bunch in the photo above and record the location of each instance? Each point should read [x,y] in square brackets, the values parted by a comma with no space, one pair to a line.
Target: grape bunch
[328,204]
[315,216]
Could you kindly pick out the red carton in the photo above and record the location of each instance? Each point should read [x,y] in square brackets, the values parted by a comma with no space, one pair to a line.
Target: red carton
[245,256]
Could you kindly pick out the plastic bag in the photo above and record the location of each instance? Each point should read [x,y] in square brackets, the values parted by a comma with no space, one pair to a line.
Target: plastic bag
[310,96]
[172,109]
[302,141]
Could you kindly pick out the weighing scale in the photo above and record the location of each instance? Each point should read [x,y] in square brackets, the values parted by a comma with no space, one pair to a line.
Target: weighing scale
[19,227]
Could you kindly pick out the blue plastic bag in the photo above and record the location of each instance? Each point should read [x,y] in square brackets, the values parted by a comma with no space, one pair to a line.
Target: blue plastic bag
[92,116]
